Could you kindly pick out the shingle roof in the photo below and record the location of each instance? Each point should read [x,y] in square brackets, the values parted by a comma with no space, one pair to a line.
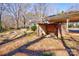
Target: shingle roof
[73,16]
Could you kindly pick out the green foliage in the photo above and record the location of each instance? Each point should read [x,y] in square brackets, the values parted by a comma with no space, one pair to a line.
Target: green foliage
[78,25]
[1,29]
[33,27]
[70,25]
[25,32]
[6,40]
[48,54]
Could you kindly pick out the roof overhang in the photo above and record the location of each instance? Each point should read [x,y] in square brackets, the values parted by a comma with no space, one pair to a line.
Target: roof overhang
[72,17]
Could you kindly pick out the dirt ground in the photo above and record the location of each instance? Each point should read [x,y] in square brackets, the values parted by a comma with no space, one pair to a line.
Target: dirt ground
[30,45]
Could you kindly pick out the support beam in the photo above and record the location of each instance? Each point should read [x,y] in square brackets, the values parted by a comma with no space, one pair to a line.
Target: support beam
[67,25]
[40,31]
[60,31]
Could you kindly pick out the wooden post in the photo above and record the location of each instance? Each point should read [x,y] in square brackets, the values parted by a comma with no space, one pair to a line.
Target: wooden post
[37,30]
[40,31]
[67,25]
[60,29]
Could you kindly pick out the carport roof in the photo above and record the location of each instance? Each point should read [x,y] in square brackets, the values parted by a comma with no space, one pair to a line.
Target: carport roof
[73,16]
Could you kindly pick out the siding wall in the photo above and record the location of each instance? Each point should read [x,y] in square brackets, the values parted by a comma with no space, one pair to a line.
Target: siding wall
[50,28]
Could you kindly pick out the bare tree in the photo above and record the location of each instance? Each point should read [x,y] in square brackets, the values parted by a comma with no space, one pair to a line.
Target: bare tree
[2,8]
[18,11]
[14,10]
[7,21]
[24,12]
[40,10]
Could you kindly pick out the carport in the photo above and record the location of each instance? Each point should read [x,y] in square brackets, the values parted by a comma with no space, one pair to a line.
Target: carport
[54,23]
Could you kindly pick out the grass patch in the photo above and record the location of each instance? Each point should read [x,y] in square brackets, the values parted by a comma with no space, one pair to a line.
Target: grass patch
[70,44]
[48,54]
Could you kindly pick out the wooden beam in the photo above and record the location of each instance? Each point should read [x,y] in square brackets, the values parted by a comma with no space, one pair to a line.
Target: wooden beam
[67,25]
[40,31]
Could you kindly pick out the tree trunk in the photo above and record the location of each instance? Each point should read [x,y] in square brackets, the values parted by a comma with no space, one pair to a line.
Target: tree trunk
[24,22]
[17,24]
[0,24]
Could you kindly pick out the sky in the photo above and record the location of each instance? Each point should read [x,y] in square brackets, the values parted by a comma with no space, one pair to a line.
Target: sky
[62,7]
[54,8]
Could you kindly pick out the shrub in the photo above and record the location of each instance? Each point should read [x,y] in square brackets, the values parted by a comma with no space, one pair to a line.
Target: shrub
[70,25]
[1,28]
[78,26]
[33,27]
[6,40]
[48,54]
[25,32]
